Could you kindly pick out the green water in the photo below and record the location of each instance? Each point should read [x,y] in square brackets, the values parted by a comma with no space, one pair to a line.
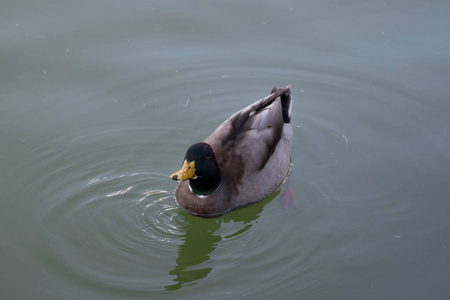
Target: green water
[100,100]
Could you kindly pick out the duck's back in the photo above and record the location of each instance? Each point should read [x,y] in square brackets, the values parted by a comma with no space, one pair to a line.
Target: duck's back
[252,148]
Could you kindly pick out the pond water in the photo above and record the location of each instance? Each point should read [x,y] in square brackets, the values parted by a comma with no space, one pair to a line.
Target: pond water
[101,99]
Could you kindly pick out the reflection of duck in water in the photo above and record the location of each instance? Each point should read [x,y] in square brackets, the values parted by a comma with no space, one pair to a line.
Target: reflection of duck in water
[243,161]
[200,239]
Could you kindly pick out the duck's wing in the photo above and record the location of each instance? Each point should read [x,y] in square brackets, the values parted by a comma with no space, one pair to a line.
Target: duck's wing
[245,141]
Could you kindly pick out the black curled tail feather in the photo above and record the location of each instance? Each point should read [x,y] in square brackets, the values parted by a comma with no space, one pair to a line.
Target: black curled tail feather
[285,97]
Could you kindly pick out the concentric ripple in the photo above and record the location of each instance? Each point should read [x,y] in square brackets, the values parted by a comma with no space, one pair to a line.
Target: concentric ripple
[111,220]
[111,238]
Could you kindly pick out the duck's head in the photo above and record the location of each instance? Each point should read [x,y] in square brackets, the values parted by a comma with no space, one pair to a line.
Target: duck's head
[198,162]
[200,167]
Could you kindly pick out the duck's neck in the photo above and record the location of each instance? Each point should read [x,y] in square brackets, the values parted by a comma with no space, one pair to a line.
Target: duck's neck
[205,185]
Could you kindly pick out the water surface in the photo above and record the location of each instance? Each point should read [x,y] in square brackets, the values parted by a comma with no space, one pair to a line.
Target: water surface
[100,100]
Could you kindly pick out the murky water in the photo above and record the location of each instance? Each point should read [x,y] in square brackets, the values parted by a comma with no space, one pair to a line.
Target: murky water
[100,100]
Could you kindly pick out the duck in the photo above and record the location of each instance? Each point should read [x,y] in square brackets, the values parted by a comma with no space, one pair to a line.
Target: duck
[243,161]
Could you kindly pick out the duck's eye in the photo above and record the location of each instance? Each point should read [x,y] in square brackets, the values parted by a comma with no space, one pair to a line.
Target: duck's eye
[205,157]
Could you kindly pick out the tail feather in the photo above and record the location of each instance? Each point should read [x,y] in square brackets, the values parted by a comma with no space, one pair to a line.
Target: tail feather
[285,96]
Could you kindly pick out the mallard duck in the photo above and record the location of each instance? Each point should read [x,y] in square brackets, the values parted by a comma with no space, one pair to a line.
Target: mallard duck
[243,161]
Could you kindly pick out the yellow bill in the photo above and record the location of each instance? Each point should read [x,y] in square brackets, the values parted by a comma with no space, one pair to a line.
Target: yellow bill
[186,172]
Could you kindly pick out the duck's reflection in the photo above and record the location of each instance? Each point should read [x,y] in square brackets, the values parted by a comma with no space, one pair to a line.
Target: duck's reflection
[200,240]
